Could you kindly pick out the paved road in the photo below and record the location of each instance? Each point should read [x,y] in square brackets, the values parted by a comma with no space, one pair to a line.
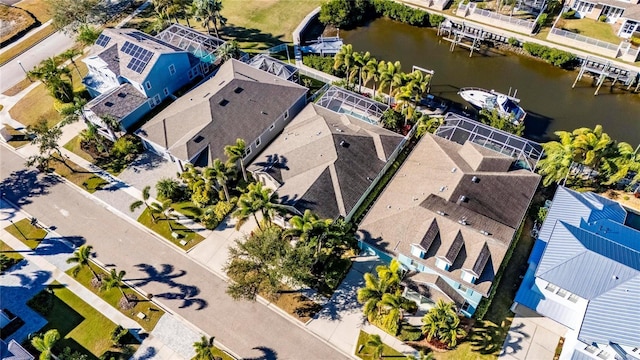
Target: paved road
[249,329]
[11,73]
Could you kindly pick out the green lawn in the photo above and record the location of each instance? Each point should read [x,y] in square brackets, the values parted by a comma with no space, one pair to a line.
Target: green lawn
[161,226]
[80,176]
[13,256]
[590,28]
[256,25]
[27,233]
[18,138]
[113,296]
[221,354]
[81,327]
[365,353]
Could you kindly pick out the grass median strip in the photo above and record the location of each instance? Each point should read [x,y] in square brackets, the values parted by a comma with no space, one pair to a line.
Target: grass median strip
[78,175]
[29,234]
[26,44]
[187,238]
[366,352]
[140,305]
[8,256]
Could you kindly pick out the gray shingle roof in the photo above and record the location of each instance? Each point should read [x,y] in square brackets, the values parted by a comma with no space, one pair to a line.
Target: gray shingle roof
[325,161]
[238,102]
[118,103]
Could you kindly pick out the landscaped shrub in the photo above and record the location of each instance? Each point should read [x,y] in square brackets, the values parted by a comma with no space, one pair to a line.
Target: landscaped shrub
[126,147]
[571,14]
[170,189]
[322,63]
[513,41]
[436,19]
[410,333]
[344,13]
[556,57]
[603,18]
[400,12]
[213,215]
[542,19]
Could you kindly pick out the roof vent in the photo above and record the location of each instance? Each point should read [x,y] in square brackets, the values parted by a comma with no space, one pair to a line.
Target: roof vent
[198,139]
[463,221]
[475,179]
[483,232]
[344,144]
[453,170]
[462,199]
[122,95]
[108,104]
[238,90]
[440,212]
[615,277]
[223,102]
[263,112]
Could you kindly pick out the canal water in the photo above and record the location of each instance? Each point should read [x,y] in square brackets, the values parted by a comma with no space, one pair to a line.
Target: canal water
[545,91]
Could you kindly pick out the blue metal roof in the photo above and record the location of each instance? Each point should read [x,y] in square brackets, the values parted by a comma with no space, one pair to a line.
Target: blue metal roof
[537,251]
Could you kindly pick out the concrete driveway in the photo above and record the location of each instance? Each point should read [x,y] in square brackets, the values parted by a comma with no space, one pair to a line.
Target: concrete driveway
[146,170]
[531,337]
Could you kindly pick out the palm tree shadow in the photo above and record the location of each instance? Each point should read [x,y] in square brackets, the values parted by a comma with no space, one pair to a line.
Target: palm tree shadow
[489,338]
[166,275]
[242,34]
[22,185]
[267,354]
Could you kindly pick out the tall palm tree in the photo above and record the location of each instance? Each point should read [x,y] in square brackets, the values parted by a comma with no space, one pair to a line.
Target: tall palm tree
[69,55]
[45,343]
[58,80]
[146,195]
[394,307]
[371,296]
[443,323]
[203,349]
[220,172]
[427,124]
[360,60]
[228,50]
[615,168]
[114,280]
[374,342]
[370,72]
[591,145]
[391,76]
[235,153]
[344,57]
[82,258]
[560,157]
[309,229]
[208,11]
[257,198]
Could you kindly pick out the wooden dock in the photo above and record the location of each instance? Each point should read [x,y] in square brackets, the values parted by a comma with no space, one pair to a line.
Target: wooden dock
[602,70]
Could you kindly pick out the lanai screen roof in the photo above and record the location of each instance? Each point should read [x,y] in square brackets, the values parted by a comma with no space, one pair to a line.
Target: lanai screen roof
[346,102]
[201,45]
[274,66]
[460,129]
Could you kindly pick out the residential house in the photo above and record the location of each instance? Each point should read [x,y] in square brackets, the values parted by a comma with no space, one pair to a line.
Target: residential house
[238,102]
[451,212]
[626,13]
[584,273]
[13,351]
[131,72]
[325,161]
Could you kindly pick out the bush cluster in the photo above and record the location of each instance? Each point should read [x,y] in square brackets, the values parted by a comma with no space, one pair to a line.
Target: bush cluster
[323,63]
[556,57]
[569,14]
[348,14]
[400,12]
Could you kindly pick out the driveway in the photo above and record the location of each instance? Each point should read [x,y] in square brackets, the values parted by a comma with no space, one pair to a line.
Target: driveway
[531,337]
[146,170]
[249,329]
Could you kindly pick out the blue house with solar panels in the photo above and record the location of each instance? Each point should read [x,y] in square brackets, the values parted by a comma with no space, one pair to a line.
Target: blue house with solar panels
[584,273]
[131,72]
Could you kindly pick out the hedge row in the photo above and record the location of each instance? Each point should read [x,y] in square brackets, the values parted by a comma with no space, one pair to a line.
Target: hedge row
[553,56]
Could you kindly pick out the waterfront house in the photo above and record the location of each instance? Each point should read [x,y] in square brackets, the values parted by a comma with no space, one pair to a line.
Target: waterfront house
[325,161]
[584,273]
[12,350]
[238,102]
[624,13]
[131,72]
[452,210]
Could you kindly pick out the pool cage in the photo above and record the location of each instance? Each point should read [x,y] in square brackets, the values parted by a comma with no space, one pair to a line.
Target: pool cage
[201,45]
[460,129]
[275,67]
[346,102]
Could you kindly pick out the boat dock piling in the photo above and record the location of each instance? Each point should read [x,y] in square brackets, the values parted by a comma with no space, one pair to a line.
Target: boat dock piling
[467,36]
[601,70]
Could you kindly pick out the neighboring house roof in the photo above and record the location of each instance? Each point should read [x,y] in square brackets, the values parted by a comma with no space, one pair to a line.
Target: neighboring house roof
[573,207]
[130,53]
[632,13]
[602,269]
[476,231]
[325,161]
[238,102]
[13,351]
[118,103]
[273,66]
[616,3]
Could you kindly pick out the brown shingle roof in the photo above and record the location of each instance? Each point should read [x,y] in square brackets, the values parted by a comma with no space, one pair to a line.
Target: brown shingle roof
[118,103]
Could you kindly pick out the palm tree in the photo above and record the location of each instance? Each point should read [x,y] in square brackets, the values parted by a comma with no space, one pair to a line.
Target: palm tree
[617,167]
[235,153]
[164,208]
[203,349]
[560,157]
[69,55]
[56,79]
[87,35]
[370,72]
[360,60]
[114,280]
[208,11]
[374,342]
[44,344]
[393,307]
[146,195]
[219,171]
[307,226]
[390,76]
[371,296]
[112,124]
[427,124]
[591,145]
[228,50]
[344,58]
[82,258]
[443,323]
[257,198]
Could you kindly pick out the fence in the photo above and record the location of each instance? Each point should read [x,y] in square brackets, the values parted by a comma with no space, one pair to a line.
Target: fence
[529,25]
[318,75]
[318,93]
[584,39]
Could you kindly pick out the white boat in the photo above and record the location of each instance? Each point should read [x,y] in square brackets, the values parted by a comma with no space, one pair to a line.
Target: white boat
[506,105]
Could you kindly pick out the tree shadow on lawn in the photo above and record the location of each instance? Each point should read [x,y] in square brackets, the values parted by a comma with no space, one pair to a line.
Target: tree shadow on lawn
[489,338]
[22,185]
[59,245]
[166,275]
[244,35]
[267,354]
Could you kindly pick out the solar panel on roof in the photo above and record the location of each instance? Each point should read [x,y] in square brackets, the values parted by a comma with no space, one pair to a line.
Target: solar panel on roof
[140,56]
[103,40]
